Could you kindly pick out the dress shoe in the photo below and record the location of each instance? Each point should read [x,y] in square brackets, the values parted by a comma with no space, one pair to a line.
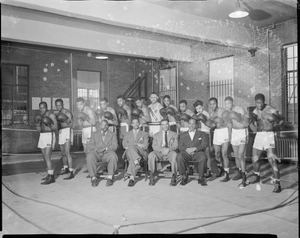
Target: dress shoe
[86,171]
[221,171]
[191,171]
[184,179]
[64,171]
[244,182]
[49,180]
[94,183]
[173,180]
[109,182]
[70,176]
[208,174]
[238,176]
[45,178]
[277,188]
[131,183]
[202,181]
[88,176]
[226,179]
[256,179]
[151,182]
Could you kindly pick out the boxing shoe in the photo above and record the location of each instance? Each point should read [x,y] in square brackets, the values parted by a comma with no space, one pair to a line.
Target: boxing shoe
[208,174]
[226,179]
[64,171]
[173,180]
[256,179]
[86,171]
[202,181]
[94,182]
[45,178]
[221,171]
[131,183]
[49,180]
[277,188]
[184,179]
[151,182]
[238,176]
[244,182]
[110,182]
[70,176]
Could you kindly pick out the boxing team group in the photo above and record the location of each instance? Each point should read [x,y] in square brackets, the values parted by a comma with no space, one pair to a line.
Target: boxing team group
[182,136]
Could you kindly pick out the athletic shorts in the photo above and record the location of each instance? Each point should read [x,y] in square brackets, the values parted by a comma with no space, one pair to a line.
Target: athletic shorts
[87,133]
[183,129]
[264,140]
[221,136]
[46,139]
[239,136]
[65,135]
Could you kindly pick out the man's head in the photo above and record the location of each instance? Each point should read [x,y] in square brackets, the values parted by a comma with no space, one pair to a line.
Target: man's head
[104,126]
[192,124]
[153,97]
[138,101]
[228,103]
[120,100]
[167,100]
[259,101]
[103,103]
[164,124]
[135,123]
[198,105]
[183,105]
[59,104]
[213,103]
[143,99]
[80,103]
[43,107]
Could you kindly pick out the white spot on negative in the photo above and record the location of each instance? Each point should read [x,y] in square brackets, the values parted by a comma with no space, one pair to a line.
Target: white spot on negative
[187,88]
[66,61]
[52,64]
[156,81]
[140,74]
[58,70]
[45,70]
[202,83]
[89,54]
[45,79]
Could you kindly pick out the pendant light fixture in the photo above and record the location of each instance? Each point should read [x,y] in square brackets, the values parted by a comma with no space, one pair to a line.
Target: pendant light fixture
[239,11]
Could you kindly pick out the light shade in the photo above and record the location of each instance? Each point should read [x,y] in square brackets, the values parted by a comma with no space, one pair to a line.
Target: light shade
[239,13]
[101,57]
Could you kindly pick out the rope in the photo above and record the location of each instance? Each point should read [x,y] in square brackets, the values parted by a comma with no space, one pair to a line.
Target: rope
[27,220]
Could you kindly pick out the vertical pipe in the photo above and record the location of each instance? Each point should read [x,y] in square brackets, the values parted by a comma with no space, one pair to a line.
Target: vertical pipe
[152,86]
[108,81]
[269,61]
[72,83]
[177,84]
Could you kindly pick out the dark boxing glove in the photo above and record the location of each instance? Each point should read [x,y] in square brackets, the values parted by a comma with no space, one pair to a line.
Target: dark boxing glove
[236,116]
[185,117]
[38,120]
[61,117]
[108,116]
[136,113]
[47,121]
[171,111]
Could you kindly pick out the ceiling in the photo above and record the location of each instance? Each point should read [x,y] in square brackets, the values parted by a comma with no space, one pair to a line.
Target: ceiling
[262,13]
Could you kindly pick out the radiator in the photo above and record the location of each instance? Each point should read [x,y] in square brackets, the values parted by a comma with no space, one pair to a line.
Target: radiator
[287,148]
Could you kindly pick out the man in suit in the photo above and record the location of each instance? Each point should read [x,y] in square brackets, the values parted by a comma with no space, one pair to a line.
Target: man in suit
[136,144]
[192,145]
[102,147]
[165,144]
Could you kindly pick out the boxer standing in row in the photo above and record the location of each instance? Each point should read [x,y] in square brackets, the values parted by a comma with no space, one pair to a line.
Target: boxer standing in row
[167,104]
[104,106]
[124,115]
[144,117]
[184,110]
[154,108]
[65,122]
[46,124]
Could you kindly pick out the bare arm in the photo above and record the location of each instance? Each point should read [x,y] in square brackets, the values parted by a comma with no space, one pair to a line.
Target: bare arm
[53,117]
[145,116]
[92,118]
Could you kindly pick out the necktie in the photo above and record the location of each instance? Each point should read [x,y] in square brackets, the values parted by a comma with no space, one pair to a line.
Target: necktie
[166,139]
[103,137]
[134,134]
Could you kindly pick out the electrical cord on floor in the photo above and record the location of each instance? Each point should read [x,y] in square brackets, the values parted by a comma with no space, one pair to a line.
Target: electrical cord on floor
[27,220]
[118,227]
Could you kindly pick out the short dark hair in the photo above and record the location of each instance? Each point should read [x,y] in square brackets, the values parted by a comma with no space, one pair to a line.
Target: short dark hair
[193,119]
[79,100]
[104,120]
[59,100]
[213,99]
[121,96]
[197,103]
[137,98]
[165,119]
[166,96]
[183,101]
[135,118]
[154,93]
[228,98]
[259,96]
[144,98]
[104,99]
[43,103]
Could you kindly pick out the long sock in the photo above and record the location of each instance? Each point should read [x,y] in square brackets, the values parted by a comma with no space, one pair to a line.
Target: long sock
[109,177]
[65,166]
[71,169]
[50,172]
[132,177]
[226,170]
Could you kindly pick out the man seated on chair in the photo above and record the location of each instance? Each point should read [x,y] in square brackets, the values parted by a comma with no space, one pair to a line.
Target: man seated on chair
[192,145]
[165,144]
[136,144]
[102,147]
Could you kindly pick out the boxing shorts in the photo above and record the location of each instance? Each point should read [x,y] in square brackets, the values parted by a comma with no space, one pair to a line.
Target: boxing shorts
[87,133]
[264,140]
[47,139]
[221,136]
[239,136]
[65,135]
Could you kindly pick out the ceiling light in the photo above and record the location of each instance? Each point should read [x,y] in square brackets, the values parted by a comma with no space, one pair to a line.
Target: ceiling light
[101,57]
[239,12]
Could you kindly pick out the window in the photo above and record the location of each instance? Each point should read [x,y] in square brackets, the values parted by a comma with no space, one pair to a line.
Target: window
[167,85]
[14,80]
[291,73]
[88,87]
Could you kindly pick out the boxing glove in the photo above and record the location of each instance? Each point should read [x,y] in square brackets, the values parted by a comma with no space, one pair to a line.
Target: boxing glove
[219,122]
[98,113]
[226,115]
[210,124]
[235,116]
[136,113]
[254,117]
[171,111]
[177,116]
[108,116]
[61,117]
[47,121]
[122,112]
[195,117]
[38,119]
[202,118]
[185,117]
[163,112]
[271,117]
[82,116]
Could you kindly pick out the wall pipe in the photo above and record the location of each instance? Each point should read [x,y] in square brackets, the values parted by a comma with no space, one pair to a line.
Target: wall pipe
[269,61]
[72,83]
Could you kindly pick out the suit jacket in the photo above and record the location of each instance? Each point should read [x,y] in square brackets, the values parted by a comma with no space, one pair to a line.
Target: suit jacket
[158,140]
[110,141]
[142,138]
[200,141]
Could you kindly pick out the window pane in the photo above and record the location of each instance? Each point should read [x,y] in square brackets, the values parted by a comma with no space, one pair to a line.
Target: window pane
[290,52]
[20,103]
[290,78]
[296,51]
[290,64]
[6,105]
[295,63]
[7,72]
